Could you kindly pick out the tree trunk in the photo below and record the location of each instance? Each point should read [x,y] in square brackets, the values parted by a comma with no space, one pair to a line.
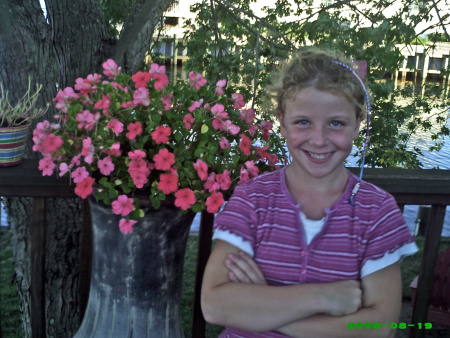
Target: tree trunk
[71,42]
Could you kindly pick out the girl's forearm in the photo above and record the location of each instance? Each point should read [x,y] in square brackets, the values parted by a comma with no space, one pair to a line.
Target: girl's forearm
[259,308]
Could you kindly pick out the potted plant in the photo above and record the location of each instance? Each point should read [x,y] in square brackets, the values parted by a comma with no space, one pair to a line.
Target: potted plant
[150,154]
[15,120]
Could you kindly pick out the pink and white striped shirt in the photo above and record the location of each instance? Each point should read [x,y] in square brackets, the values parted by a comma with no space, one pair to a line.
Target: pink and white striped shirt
[263,219]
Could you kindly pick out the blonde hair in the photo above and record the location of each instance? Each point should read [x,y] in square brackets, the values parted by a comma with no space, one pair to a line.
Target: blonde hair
[317,69]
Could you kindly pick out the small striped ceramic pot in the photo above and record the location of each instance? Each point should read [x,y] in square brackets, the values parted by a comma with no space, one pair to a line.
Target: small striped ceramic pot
[12,145]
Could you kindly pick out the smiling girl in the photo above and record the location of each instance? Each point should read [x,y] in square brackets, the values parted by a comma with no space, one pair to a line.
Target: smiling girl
[306,250]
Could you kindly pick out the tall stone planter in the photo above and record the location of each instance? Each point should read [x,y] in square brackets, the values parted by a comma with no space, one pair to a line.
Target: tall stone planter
[136,278]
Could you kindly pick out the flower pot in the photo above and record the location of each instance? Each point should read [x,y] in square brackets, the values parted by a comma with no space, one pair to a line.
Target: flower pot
[12,145]
[136,278]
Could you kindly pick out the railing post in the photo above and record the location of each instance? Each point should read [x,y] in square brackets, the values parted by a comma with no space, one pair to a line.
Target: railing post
[425,284]
[37,252]
[204,250]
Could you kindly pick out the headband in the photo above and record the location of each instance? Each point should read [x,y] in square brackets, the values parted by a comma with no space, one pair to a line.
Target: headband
[366,143]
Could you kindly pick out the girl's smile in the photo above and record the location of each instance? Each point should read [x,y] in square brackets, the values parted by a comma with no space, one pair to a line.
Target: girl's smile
[319,128]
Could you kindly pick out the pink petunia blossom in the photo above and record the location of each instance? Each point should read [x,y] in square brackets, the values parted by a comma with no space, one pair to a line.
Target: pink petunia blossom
[47,166]
[245,176]
[123,205]
[63,169]
[164,160]
[224,180]
[224,143]
[219,87]
[214,202]
[134,130]
[168,183]
[247,115]
[88,150]
[114,150]
[266,127]
[184,198]
[141,79]
[167,101]
[84,188]
[252,168]
[252,129]
[245,144]
[110,69]
[116,126]
[218,111]
[106,166]
[229,127]
[238,100]
[104,104]
[79,174]
[141,97]
[161,134]
[88,85]
[51,144]
[87,120]
[211,184]
[159,74]
[64,97]
[195,105]
[188,120]
[137,154]
[196,80]
[202,169]
[126,225]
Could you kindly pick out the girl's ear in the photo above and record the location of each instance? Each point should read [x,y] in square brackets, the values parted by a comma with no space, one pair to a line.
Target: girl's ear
[357,127]
[280,117]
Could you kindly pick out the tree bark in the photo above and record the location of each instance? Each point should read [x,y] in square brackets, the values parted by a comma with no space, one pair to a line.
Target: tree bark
[73,41]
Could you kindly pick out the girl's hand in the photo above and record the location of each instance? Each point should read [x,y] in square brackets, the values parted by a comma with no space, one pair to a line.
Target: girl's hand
[243,269]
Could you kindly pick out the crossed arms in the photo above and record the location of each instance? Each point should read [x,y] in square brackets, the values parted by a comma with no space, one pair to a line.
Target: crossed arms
[235,294]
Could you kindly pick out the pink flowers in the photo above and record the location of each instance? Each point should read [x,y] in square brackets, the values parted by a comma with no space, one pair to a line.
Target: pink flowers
[84,188]
[134,130]
[245,145]
[161,134]
[202,169]
[138,169]
[188,139]
[184,198]
[214,202]
[168,183]
[197,80]
[123,205]
[164,159]
[110,69]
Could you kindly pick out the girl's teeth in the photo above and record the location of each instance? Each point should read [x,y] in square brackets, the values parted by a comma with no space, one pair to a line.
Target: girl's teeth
[318,156]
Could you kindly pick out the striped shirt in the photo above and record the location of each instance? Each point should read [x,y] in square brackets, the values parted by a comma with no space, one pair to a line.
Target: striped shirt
[263,219]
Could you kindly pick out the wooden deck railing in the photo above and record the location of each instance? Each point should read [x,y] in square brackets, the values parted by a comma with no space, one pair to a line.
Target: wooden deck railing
[416,187]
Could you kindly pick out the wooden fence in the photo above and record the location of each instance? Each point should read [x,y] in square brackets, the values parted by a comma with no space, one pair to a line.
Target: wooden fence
[408,186]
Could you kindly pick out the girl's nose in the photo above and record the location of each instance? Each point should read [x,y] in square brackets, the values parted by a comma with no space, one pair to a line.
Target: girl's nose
[318,136]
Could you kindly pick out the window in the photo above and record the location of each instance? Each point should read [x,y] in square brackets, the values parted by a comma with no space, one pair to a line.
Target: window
[171,21]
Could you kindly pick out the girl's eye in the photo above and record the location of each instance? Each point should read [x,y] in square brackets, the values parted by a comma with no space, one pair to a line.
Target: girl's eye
[336,124]
[302,122]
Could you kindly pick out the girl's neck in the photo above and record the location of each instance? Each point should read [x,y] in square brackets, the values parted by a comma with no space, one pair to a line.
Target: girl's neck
[315,194]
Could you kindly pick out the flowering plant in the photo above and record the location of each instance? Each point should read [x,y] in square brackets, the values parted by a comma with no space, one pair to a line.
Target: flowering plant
[127,134]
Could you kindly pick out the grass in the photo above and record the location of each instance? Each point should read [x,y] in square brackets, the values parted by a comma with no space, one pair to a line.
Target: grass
[9,309]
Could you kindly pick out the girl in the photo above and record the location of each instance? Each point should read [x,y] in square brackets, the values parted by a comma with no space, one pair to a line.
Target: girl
[309,249]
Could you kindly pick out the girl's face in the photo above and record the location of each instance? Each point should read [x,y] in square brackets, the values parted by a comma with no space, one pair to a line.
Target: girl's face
[319,128]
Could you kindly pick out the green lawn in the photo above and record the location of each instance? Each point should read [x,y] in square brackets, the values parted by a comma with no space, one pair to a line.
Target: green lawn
[9,309]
